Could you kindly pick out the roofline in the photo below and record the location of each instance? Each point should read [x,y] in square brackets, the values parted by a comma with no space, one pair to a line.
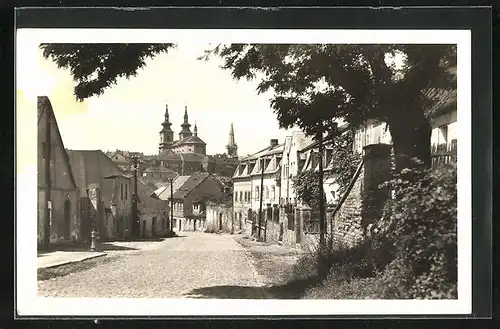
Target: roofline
[46,101]
[205,177]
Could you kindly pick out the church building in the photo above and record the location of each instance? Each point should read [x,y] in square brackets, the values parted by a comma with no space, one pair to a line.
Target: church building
[188,154]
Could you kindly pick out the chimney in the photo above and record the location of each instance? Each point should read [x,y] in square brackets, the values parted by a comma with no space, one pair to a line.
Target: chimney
[274,143]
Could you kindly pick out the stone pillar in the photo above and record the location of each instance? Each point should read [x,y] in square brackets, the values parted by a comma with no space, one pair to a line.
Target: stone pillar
[375,172]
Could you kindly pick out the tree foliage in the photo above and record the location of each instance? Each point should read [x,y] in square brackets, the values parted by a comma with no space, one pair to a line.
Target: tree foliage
[95,67]
[346,160]
[315,84]
[307,188]
[306,183]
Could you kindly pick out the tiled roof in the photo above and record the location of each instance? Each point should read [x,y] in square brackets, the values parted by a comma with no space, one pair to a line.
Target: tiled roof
[193,140]
[438,99]
[95,167]
[145,199]
[265,152]
[163,190]
[190,184]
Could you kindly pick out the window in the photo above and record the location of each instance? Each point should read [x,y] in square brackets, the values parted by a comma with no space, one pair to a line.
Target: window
[121,191]
[257,194]
[333,194]
[267,192]
[126,191]
[241,195]
[235,196]
[273,195]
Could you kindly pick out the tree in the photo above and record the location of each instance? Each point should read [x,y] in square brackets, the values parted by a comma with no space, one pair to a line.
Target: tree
[95,67]
[316,84]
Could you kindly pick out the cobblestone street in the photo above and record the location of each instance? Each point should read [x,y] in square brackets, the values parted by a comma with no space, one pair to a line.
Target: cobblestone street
[193,265]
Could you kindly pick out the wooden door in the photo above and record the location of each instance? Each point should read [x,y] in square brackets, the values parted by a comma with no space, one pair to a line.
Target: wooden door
[67,219]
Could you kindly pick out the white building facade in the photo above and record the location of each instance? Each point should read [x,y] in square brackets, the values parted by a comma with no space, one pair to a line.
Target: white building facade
[257,173]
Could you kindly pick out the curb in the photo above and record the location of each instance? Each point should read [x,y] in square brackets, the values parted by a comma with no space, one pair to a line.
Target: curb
[74,261]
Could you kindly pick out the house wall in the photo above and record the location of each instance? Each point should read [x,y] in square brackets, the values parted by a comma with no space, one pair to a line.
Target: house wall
[184,215]
[373,132]
[220,219]
[147,216]
[268,182]
[331,188]
[62,187]
[62,228]
[444,128]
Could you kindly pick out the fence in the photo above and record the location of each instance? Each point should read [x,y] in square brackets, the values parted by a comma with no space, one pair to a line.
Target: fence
[442,154]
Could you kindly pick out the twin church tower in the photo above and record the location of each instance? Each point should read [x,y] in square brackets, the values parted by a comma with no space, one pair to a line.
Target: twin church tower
[188,141]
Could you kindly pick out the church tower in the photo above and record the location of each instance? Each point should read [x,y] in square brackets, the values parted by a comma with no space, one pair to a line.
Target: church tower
[166,134]
[232,148]
[185,132]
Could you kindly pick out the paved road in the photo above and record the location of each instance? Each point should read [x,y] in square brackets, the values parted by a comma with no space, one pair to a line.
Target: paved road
[195,265]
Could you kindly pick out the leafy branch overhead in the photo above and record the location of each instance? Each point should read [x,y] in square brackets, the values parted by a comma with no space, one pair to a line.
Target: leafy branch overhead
[96,67]
[315,84]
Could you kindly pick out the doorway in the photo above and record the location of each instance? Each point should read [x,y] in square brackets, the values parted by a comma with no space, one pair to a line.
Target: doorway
[153,226]
[220,222]
[67,219]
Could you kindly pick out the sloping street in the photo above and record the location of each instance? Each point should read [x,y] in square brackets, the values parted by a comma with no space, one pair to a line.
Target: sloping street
[193,265]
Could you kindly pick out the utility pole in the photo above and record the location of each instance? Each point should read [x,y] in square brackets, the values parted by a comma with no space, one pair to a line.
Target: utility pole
[261,195]
[171,229]
[322,227]
[135,220]
[48,182]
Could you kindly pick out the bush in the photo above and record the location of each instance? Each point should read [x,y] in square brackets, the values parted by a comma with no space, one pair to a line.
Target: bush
[413,253]
[421,222]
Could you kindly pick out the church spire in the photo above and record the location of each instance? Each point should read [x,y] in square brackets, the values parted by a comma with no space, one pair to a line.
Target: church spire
[166,113]
[195,129]
[185,132]
[166,134]
[232,148]
[185,114]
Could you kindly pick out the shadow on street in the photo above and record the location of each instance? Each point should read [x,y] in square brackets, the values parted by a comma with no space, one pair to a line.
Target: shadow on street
[291,290]
[227,292]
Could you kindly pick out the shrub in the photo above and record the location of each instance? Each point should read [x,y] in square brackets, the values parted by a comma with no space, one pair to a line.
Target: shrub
[421,221]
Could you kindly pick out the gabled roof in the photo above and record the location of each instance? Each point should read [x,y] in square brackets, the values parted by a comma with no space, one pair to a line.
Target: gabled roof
[190,184]
[44,106]
[145,199]
[163,190]
[93,165]
[193,140]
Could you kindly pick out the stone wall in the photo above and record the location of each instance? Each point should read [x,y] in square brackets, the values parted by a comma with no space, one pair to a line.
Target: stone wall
[362,206]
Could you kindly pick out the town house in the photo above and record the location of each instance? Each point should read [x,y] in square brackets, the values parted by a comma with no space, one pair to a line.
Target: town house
[62,205]
[105,192]
[190,195]
[260,170]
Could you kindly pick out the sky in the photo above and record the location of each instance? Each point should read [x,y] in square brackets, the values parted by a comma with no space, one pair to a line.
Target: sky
[129,114]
